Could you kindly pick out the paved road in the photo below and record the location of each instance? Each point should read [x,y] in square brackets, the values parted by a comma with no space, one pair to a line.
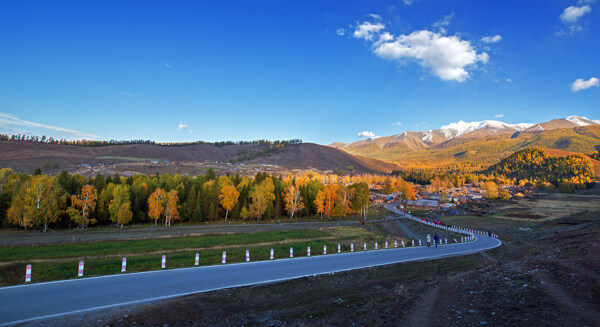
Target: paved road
[45,300]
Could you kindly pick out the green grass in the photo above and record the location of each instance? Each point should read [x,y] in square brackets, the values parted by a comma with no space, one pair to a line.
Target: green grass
[48,271]
[57,262]
[129,158]
[81,250]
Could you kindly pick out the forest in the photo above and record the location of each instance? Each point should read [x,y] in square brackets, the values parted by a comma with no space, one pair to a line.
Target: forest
[532,167]
[536,167]
[75,201]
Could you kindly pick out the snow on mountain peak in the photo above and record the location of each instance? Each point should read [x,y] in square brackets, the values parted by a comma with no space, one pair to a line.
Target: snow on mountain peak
[580,121]
[453,130]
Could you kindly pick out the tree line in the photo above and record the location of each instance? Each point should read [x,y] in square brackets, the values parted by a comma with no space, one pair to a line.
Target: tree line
[94,143]
[71,200]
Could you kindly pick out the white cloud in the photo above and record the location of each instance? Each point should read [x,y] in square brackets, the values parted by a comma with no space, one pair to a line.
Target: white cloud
[374,16]
[340,31]
[509,80]
[444,22]
[446,56]
[408,2]
[367,29]
[581,84]
[499,116]
[491,39]
[10,121]
[398,123]
[366,134]
[183,126]
[167,65]
[126,94]
[571,14]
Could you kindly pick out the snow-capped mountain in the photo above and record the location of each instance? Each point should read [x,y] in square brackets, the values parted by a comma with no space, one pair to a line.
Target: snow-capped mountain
[456,129]
[582,121]
[464,131]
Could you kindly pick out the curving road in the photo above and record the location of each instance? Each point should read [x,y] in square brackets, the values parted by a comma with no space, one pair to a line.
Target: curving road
[44,300]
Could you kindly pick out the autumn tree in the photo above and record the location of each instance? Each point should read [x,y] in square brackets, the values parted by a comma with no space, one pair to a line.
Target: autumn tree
[360,201]
[343,205]
[4,177]
[83,205]
[38,203]
[320,202]
[16,214]
[292,199]
[262,196]
[171,208]
[491,190]
[120,205]
[228,198]
[156,204]
[330,197]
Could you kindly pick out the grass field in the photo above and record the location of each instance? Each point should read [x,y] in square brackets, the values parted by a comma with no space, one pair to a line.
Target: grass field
[57,262]
[128,158]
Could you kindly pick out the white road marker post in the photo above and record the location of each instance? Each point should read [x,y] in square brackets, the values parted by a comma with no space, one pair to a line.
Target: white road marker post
[271,256]
[365,246]
[386,244]
[375,245]
[247,255]
[403,244]
[224,260]
[163,263]
[324,249]
[351,247]
[413,242]
[291,252]
[197,259]
[395,243]
[308,251]
[339,248]
[28,274]
[80,271]
[446,240]
[420,244]
[124,264]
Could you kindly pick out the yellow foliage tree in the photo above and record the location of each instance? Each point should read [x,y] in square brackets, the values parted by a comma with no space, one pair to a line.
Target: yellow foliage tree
[228,198]
[320,202]
[292,199]
[262,195]
[120,205]
[171,212]
[16,213]
[331,196]
[156,204]
[40,201]
[83,205]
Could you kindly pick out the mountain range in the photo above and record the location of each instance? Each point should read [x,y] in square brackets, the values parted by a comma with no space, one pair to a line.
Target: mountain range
[481,142]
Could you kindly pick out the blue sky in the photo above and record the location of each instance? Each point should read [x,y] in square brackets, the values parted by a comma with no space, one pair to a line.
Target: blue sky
[322,71]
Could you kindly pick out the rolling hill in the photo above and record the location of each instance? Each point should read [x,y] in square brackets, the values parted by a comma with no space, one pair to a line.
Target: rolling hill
[24,156]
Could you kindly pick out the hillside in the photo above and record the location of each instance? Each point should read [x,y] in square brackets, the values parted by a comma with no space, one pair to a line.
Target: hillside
[481,146]
[537,166]
[25,156]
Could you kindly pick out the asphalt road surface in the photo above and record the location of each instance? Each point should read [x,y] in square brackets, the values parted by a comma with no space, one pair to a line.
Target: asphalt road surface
[45,300]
